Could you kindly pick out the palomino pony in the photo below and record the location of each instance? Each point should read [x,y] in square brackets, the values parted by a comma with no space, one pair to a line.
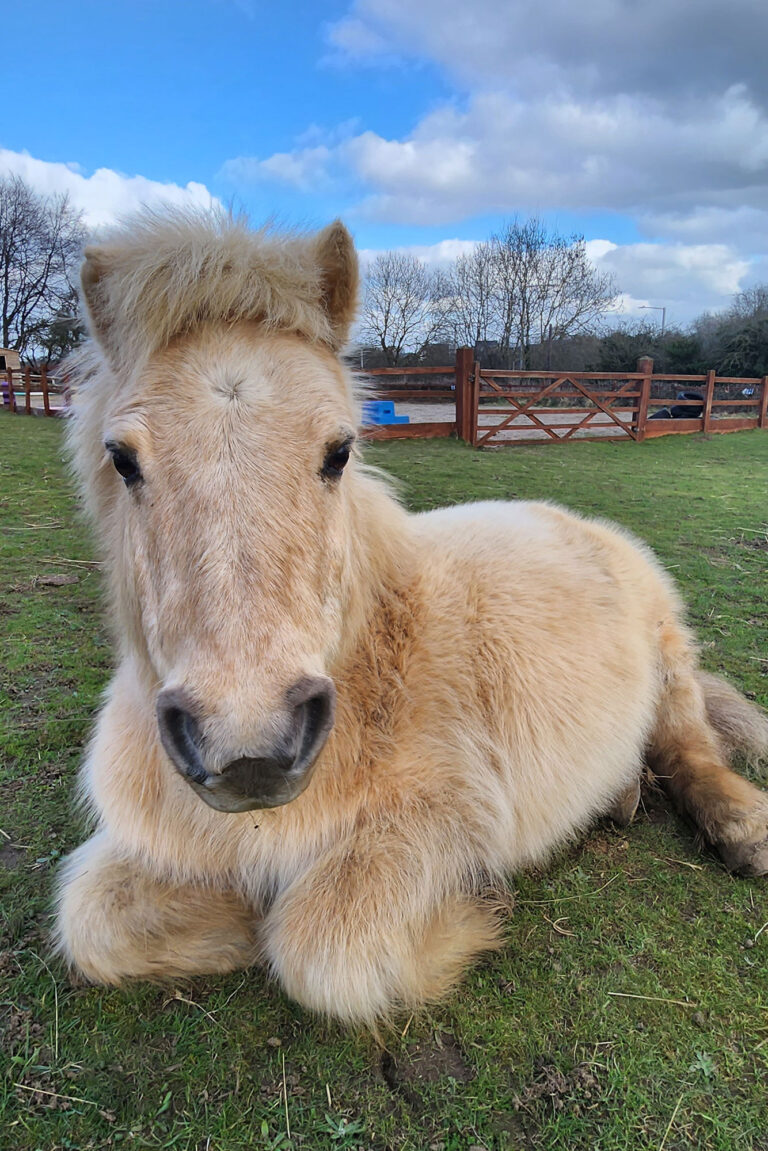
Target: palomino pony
[331,724]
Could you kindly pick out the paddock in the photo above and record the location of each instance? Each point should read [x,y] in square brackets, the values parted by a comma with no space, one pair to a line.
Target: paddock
[633,966]
[32,393]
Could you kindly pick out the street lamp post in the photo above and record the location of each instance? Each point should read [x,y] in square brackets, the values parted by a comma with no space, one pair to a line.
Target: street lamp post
[656,308]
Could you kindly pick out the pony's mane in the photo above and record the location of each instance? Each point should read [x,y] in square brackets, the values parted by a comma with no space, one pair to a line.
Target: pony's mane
[163,273]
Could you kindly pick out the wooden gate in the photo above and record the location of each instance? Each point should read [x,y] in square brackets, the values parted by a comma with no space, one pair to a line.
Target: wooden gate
[501,407]
[556,406]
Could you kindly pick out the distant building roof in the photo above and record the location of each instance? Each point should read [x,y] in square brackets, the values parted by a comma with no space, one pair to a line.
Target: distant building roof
[9,359]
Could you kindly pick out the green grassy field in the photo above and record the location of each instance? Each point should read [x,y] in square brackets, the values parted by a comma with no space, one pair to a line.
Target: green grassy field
[629,1006]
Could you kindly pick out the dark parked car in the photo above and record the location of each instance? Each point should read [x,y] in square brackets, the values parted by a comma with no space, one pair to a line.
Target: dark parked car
[682,411]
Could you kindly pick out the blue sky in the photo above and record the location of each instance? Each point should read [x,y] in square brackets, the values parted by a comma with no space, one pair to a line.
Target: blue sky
[643,126]
[173,90]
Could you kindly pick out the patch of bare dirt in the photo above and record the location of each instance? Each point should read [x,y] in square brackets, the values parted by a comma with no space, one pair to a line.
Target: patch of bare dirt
[11,857]
[572,1091]
[16,1025]
[428,1061]
[606,846]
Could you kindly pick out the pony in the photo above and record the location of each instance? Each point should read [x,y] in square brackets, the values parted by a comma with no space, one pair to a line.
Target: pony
[330,734]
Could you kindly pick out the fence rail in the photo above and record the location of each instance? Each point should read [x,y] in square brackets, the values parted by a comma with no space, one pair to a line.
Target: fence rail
[24,391]
[493,406]
[440,394]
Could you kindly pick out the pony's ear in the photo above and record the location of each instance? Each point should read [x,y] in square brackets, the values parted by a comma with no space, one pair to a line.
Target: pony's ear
[94,277]
[339,277]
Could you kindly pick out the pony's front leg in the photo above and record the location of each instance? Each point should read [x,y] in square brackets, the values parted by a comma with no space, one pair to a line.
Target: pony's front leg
[117,921]
[377,925]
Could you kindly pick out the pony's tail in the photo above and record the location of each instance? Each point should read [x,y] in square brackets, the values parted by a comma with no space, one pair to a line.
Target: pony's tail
[742,727]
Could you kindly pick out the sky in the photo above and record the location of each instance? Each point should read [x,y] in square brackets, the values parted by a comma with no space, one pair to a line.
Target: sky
[424,124]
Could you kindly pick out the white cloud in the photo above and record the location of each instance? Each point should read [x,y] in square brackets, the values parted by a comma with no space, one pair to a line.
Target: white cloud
[654,109]
[656,112]
[104,196]
[540,45]
[501,154]
[655,268]
[597,249]
[626,305]
[744,226]
[303,168]
[357,39]
[437,255]
[686,279]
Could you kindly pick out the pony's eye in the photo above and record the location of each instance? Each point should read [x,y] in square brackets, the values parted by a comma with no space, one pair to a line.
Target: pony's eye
[126,463]
[336,460]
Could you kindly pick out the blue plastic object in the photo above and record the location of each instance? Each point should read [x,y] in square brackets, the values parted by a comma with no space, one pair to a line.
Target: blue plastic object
[382,412]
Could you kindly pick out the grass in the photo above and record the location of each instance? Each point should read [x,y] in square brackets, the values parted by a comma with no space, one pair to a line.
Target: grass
[629,1007]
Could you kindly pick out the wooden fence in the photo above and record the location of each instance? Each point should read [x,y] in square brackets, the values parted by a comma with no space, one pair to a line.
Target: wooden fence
[493,406]
[488,407]
[32,393]
[440,388]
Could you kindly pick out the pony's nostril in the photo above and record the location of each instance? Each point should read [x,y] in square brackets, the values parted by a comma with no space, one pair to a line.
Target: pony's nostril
[313,704]
[180,734]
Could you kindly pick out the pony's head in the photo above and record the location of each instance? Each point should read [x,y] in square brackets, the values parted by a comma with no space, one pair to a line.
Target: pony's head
[214,435]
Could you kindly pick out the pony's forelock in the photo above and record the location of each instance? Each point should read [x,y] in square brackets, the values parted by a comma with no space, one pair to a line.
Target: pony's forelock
[158,275]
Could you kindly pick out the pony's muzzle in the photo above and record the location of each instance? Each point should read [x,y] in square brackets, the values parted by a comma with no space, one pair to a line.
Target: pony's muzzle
[269,779]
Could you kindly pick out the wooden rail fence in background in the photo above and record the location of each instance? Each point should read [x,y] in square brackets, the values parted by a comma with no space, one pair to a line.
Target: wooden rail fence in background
[23,392]
[442,393]
[493,406]
[487,407]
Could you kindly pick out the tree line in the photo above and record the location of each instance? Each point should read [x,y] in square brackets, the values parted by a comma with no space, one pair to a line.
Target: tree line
[526,286]
[530,298]
[733,342]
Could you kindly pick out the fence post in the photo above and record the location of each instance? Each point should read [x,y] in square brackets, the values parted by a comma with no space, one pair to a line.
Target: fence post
[474,403]
[462,370]
[28,390]
[762,419]
[11,393]
[644,365]
[44,386]
[709,395]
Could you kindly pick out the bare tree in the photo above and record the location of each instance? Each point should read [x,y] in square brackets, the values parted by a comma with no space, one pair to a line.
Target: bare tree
[60,333]
[516,292]
[399,310]
[750,304]
[40,243]
[525,286]
[735,341]
[466,295]
[577,296]
[545,287]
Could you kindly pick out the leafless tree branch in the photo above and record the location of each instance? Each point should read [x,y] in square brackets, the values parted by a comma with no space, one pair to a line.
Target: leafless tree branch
[41,239]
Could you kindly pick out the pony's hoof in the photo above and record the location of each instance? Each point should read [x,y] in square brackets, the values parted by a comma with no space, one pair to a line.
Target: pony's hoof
[623,809]
[750,859]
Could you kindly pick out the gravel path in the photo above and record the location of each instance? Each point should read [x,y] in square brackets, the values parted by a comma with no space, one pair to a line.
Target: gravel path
[56,400]
[522,427]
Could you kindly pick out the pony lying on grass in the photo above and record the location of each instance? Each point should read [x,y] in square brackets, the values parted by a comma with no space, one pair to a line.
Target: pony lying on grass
[331,725]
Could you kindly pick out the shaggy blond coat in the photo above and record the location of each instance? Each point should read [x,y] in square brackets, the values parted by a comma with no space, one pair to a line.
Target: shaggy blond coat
[503,670]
